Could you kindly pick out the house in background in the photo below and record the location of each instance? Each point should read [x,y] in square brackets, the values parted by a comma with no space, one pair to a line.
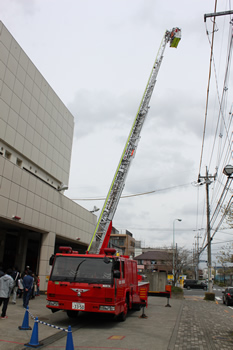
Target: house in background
[156,260]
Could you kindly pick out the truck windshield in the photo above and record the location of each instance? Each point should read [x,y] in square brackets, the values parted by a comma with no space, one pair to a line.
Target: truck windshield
[82,269]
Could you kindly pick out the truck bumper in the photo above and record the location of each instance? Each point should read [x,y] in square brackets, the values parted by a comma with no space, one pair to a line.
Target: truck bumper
[85,307]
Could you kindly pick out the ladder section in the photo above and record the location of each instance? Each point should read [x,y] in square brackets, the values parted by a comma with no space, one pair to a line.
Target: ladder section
[119,179]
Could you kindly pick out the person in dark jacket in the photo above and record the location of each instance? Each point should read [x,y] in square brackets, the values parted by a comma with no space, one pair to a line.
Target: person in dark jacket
[1,272]
[6,285]
[27,285]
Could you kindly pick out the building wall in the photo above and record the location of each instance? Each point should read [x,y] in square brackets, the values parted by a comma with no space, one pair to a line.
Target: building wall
[36,132]
[42,209]
[125,242]
[36,129]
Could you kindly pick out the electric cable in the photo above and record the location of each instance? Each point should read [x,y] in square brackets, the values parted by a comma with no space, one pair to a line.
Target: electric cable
[207,96]
[224,92]
[225,148]
[132,195]
[219,224]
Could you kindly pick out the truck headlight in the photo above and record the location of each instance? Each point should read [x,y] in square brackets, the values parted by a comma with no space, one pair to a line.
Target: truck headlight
[106,308]
[53,303]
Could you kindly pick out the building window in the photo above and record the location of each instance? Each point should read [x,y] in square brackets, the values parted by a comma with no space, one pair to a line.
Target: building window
[7,154]
[114,241]
[19,162]
[121,242]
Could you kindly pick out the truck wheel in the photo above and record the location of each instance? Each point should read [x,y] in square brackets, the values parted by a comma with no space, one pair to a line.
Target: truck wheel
[72,313]
[122,316]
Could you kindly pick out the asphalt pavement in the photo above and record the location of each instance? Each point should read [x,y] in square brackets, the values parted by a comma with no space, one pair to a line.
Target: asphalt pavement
[191,323]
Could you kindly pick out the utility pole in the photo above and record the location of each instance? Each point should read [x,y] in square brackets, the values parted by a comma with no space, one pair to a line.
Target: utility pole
[207,182]
[215,14]
[198,255]
[176,266]
[173,262]
[195,259]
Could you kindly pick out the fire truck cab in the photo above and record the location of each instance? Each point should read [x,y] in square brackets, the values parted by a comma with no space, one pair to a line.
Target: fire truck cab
[103,283]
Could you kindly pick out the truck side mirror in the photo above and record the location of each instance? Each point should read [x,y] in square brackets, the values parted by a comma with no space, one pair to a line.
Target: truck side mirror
[116,274]
[51,259]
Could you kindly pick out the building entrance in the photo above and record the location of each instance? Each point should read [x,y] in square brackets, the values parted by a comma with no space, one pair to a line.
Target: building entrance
[19,247]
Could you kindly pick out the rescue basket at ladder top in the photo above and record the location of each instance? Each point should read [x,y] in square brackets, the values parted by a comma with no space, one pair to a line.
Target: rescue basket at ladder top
[175,37]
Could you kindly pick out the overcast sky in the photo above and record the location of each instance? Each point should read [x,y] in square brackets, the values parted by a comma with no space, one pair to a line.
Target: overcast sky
[97,56]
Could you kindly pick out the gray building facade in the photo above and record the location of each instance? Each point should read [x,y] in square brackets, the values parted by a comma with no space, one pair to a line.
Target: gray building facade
[36,132]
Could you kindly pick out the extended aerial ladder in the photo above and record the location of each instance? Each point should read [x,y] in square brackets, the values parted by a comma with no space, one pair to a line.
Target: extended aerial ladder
[103,227]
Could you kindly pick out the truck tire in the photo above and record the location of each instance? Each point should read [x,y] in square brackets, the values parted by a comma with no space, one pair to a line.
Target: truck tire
[122,316]
[72,313]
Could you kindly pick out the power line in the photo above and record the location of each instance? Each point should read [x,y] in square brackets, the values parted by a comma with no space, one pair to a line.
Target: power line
[208,88]
[132,195]
[224,93]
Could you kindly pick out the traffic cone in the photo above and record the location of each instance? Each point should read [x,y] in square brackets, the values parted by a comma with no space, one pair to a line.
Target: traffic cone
[34,342]
[25,325]
[69,340]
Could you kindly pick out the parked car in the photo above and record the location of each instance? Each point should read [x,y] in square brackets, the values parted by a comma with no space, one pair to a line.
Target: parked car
[227,297]
[195,284]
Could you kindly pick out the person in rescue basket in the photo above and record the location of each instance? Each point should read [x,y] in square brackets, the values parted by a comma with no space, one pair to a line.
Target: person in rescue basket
[6,285]
[27,285]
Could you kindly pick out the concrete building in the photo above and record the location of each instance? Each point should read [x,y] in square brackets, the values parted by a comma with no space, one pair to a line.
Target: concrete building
[125,241]
[36,132]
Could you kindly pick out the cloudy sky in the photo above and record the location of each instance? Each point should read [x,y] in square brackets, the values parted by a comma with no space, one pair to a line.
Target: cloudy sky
[97,56]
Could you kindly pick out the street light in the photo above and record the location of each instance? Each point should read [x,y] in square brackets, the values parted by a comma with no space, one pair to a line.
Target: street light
[173,263]
[94,209]
[63,187]
[228,170]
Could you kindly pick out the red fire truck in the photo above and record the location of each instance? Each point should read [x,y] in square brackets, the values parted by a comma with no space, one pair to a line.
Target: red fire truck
[103,283]
[100,280]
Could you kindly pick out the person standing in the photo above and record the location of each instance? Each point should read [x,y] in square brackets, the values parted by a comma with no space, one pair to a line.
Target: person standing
[20,287]
[38,285]
[33,286]
[6,285]
[27,285]
[1,272]
[16,276]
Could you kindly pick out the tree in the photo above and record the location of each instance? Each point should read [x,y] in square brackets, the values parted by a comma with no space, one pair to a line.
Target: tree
[182,256]
[224,258]
[228,212]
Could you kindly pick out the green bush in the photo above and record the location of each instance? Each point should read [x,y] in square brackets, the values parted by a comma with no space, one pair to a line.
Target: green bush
[221,284]
[177,289]
[209,296]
